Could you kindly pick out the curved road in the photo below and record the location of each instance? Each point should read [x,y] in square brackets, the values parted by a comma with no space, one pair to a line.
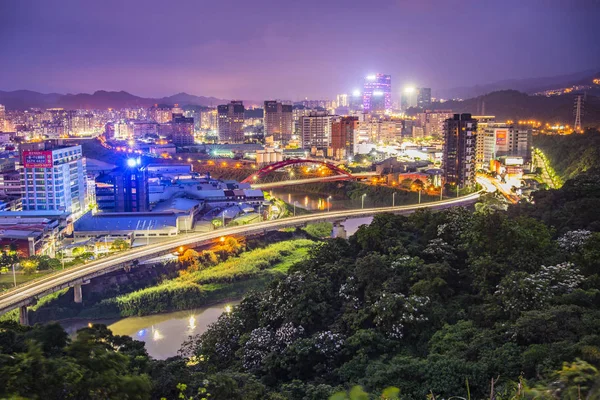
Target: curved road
[25,294]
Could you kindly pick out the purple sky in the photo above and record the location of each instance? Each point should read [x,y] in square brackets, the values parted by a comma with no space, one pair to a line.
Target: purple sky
[286,48]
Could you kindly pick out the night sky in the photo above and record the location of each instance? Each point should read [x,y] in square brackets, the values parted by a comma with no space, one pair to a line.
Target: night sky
[288,49]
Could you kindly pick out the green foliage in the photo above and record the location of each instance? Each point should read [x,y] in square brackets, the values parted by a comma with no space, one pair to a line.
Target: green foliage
[193,288]
[319,229]
[434,304]
[42,362]
[119,245]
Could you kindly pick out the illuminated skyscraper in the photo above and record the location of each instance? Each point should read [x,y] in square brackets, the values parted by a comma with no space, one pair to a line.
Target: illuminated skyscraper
[231,122]
[377,93]
[279,121]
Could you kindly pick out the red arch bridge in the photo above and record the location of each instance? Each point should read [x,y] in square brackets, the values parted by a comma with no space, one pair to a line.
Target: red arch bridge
[261,173]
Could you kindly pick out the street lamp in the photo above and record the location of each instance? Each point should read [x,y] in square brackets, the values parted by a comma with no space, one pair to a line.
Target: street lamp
[394,199]
[363,200]
[295,201]
[329,198]
[419,196]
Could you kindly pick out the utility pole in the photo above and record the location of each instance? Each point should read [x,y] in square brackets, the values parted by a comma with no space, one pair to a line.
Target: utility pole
[329,198]
[419,196]
[363,200]
[394,199]
[578,112]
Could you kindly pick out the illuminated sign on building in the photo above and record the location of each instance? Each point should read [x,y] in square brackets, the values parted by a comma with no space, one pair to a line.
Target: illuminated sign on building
[37,159]
[513,161]
[501,138]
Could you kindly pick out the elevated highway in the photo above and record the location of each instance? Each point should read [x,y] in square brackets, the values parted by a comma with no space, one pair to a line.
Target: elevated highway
[27,294]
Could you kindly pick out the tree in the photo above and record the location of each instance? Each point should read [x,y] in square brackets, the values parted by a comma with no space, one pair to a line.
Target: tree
[29,265]
[406,183]
[119,245]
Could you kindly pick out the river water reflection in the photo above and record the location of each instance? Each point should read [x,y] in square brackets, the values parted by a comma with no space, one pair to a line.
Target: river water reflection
[163,334]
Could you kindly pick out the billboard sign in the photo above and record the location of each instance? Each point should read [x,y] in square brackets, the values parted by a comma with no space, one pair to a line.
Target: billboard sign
[501,138]
[37,159]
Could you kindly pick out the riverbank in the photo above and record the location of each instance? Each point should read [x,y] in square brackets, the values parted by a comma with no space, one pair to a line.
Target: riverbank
[188,288]
[347,195]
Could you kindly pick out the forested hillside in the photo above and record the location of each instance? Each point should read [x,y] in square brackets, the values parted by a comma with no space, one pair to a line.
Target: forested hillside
[572,154]
[440,304]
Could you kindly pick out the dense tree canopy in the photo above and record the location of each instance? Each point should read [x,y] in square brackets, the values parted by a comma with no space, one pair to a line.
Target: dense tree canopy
[434,304]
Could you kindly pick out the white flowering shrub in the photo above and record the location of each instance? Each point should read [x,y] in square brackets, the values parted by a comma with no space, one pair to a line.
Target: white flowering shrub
[521,291]
[328,343]
[256,348]
[348,292]
[574,240]
[439,249]
[395,311]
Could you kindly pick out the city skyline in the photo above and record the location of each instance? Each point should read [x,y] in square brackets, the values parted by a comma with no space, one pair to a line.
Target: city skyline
[81,48]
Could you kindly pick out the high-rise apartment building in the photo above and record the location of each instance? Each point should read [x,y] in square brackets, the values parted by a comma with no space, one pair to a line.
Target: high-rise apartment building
[315,130]
[432,122]
[483,121]
[278,121]
[424,98]
[183,131]
[2,117]
[162,115]
[231,122]
[459,150]
[54,179]
[380,131]
[342,136]
[377,93]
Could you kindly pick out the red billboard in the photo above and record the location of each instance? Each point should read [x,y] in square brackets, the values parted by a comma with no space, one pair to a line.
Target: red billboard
[37,159]
[501,138]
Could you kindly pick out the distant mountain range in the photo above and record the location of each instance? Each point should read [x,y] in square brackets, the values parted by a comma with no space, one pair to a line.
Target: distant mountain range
[529,85]
[101,99]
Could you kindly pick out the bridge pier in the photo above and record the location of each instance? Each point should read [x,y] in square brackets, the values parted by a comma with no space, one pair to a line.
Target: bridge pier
[78,293]
[23,315]
[338,231]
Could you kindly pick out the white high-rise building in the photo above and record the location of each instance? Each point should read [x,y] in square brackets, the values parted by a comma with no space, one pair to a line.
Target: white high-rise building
[54,179]
[315,130]
[499,140]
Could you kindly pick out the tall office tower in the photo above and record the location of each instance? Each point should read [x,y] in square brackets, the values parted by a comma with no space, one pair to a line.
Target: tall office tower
[279,121]
[424,98]
[182,131]
[315,130]
[408,98]
[2,117]
[231,122]
[54,179]
[342,100]
[377,93]
[459,150]
[125,189]
[432,122]
[342,136]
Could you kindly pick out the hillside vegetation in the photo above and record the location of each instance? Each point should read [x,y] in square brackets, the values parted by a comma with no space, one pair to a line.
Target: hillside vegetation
[573,154]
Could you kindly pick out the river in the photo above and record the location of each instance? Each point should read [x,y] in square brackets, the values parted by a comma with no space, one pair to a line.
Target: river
[163,334]
[310,201]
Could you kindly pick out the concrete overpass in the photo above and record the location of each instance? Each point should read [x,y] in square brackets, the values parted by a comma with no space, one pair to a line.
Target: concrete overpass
[27,294]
